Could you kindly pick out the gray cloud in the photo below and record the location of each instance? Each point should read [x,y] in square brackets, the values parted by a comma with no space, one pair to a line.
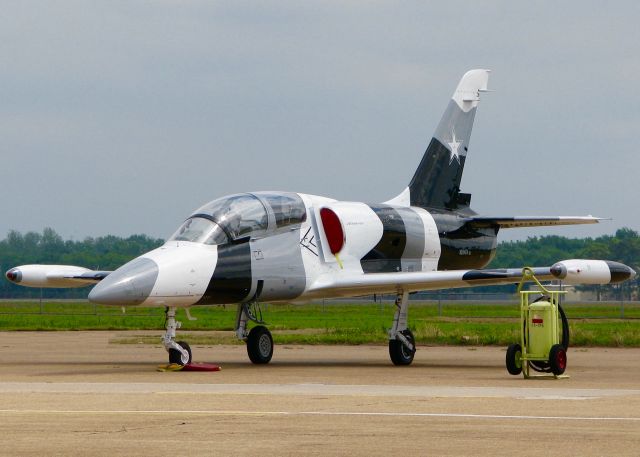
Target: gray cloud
[122,117]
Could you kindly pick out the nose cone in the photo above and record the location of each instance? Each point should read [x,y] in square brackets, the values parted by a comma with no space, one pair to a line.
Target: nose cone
[620,272]
[129,285]
[14,275]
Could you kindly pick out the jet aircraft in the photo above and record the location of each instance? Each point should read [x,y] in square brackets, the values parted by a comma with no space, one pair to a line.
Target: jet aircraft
[250,248]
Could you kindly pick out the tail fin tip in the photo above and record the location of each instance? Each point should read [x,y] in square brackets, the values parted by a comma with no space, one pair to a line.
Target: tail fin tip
[467,94]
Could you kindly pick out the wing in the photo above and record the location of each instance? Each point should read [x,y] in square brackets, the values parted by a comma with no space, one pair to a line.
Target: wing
[531,221]
[575,271]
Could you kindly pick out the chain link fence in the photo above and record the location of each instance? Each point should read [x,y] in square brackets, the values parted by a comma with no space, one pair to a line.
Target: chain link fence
[453,304]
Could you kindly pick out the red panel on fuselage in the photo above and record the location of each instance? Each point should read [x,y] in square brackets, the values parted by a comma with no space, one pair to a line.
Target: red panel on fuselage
[332,229]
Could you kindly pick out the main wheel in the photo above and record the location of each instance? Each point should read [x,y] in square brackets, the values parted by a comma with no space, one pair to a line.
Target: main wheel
[176,356]
[260,345]
[514,361]
[399,353]
[557,359]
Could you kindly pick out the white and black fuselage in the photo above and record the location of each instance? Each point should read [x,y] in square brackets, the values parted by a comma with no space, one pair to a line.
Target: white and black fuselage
[276,255]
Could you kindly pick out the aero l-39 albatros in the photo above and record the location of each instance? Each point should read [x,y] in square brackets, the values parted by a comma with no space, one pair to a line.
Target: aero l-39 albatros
[282,246]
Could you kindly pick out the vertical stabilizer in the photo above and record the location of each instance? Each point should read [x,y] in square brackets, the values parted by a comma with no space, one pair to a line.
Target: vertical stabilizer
[436,183]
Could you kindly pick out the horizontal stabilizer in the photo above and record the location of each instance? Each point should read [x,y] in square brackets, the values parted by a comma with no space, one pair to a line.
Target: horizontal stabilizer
[531,221]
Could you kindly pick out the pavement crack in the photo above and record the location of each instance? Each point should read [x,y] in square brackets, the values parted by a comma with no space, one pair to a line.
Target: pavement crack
[125,429]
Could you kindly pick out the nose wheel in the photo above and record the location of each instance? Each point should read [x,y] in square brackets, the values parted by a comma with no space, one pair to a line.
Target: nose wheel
[179,351]
[180,357]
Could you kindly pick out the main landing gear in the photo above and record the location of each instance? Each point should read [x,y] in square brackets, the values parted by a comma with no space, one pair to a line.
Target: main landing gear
[402,345]
[179,351]
[259,340]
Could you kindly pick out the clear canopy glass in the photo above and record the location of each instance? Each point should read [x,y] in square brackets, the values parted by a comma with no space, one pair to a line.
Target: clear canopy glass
[288,208]
[239,215]
[200,230]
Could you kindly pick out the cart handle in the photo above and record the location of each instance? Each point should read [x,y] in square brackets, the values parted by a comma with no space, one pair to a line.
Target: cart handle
[527,276]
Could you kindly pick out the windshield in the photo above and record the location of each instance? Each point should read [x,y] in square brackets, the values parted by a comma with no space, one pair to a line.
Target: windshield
[200,230]
[239,215]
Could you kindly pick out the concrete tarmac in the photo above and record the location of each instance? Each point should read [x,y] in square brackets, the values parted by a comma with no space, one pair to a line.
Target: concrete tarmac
[82,393]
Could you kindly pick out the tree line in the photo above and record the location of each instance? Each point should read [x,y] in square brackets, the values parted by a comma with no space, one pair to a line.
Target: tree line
[110,252]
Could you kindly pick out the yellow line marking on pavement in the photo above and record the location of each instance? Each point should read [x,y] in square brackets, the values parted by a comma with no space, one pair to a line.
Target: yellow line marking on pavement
[320,413]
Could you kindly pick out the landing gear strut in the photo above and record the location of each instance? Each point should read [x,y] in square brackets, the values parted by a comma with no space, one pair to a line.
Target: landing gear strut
[259,340]
[179,352]
[402,345]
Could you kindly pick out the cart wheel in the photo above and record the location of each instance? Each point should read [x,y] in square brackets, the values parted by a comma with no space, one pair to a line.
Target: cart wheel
[557,359]
[514,359]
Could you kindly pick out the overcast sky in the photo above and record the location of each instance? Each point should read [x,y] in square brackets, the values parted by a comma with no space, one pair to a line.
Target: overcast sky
[124,117]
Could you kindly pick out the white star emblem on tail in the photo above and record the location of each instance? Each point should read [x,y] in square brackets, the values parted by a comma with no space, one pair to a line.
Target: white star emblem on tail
[453,147]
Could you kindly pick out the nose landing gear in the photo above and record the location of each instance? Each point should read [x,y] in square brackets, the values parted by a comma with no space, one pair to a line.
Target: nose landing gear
[179,351]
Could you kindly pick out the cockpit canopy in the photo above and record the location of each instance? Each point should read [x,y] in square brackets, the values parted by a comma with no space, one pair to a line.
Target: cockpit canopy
[242,215]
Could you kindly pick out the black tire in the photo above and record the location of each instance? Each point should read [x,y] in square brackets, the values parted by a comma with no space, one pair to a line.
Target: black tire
[557,359]
[399,354]
[513,359]
[176,356]
[260,345]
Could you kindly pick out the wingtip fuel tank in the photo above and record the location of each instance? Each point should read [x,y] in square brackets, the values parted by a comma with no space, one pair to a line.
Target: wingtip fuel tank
[63,276]
[581,271]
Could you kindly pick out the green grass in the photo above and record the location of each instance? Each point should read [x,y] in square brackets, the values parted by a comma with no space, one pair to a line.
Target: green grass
[459,324]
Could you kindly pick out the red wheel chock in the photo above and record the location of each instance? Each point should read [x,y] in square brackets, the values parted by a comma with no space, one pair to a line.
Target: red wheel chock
[190,367]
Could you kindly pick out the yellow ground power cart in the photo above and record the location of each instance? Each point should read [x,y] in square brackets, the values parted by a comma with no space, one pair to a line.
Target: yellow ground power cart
[544,331]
